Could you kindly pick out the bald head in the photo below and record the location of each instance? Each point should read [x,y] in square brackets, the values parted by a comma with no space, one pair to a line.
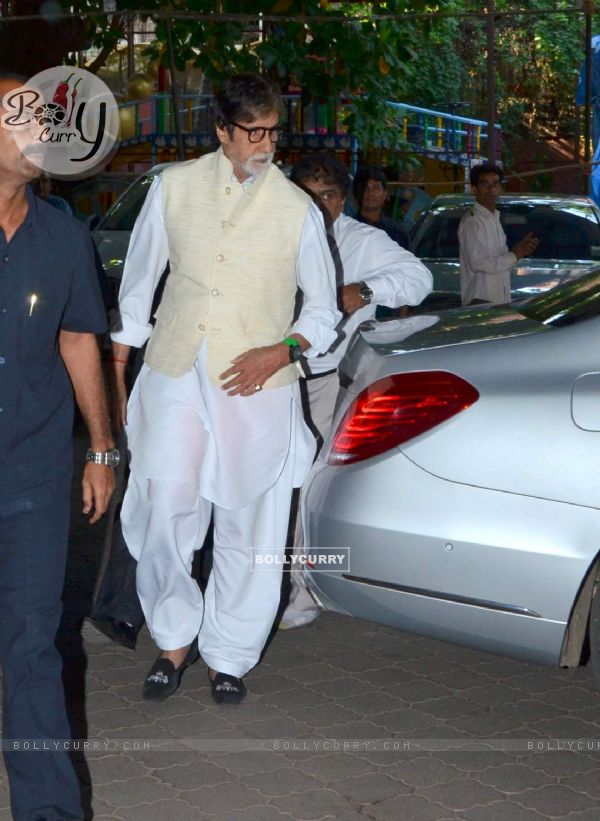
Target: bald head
[15,169]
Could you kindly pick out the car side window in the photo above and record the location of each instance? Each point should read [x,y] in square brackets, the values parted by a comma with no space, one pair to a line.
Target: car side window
[562,235]
[424,236]
[123,214]
[447,244]
[436,236]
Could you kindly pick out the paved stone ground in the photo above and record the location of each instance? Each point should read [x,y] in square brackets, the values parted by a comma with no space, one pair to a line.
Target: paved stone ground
[466,726]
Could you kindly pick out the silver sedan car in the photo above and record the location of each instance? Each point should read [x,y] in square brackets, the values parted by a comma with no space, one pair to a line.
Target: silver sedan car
[463,472]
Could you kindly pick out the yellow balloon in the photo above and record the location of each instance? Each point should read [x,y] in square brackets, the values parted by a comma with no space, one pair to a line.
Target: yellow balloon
[139,87]
[152,70]
[127,120]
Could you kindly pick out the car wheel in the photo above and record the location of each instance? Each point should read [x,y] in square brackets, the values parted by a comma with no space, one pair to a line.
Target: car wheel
[595,633]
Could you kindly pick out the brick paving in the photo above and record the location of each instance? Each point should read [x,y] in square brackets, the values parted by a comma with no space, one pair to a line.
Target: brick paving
[478,737]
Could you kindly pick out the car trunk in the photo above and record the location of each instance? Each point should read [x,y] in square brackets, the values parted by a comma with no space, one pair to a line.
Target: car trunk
[376,341]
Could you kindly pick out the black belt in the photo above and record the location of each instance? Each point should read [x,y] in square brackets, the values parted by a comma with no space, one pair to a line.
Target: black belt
[319,375]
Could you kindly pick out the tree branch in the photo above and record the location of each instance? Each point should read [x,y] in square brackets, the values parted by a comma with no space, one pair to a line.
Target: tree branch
[116,24]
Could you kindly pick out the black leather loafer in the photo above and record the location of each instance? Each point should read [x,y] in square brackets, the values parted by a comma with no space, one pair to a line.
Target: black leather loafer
[164,678]
[226,689]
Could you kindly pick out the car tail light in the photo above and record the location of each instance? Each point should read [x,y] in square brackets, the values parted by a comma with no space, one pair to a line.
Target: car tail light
[394,410]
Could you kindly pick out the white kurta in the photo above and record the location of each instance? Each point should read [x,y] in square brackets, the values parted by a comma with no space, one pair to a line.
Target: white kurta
[197,451]
[395,276]
[485,260]
[249,437]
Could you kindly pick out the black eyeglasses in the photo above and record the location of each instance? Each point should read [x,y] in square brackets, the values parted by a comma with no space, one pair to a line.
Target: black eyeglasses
[256,134]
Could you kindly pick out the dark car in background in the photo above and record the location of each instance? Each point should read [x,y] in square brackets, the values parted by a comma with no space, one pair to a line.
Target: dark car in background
[113,232]
[568,228]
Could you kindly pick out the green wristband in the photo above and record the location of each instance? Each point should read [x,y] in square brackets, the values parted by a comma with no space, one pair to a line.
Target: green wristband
[295,349]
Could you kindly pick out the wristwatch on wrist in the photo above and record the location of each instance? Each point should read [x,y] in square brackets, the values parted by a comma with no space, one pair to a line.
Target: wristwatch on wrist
[365,293]
[295,349]
[109,458]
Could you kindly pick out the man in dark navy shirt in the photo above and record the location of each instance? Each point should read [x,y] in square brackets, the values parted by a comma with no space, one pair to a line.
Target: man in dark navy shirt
[371,191]
[370,188]
[50,312]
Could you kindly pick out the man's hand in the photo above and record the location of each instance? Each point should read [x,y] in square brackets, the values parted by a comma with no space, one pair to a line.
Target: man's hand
[251,369]
[351,298]
[118,388]
[81,355]
[526,246]
[118,396]
[98,485]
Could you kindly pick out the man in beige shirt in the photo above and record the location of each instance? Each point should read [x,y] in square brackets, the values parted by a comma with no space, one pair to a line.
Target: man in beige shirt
[485,261]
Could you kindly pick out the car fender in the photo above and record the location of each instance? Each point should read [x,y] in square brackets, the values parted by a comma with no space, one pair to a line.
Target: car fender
[570,655]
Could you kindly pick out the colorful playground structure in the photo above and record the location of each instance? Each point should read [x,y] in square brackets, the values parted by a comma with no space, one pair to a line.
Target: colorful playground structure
[151,123]
[446,137]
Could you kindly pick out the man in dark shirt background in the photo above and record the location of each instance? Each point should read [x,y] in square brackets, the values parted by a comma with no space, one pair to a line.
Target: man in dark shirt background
[371,191]
[50,313]
[370,188]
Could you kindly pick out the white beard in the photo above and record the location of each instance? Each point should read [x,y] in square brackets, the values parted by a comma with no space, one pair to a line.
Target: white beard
[256,164]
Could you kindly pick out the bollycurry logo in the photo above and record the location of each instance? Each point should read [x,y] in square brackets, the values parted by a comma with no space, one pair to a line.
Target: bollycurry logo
[65,121]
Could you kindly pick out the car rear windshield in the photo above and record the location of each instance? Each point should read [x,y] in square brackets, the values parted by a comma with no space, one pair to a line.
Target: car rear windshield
[566,230]
[123,214]
[575,302]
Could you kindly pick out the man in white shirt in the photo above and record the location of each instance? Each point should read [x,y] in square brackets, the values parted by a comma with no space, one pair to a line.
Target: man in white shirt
[485,260]
[214,421]
[372,270]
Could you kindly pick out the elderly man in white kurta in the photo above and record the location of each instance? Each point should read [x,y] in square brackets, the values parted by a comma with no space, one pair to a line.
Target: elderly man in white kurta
[485,261]
[214,421]
[373,270]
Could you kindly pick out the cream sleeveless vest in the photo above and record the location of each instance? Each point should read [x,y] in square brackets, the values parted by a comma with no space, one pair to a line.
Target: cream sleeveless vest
[233,257]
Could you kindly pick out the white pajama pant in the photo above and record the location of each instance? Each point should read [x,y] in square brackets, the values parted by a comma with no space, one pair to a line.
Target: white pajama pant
[196,451]
[169,520]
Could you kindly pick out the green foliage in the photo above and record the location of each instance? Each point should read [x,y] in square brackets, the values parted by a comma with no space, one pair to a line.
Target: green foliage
[366,60]
[430,62]
[538,60]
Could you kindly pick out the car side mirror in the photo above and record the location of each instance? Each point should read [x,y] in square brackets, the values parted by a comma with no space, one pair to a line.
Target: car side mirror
[92,221]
